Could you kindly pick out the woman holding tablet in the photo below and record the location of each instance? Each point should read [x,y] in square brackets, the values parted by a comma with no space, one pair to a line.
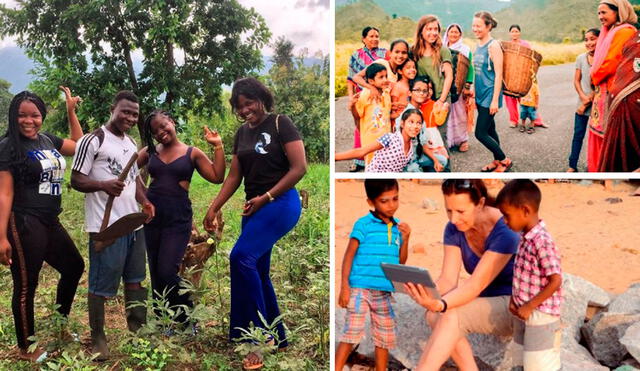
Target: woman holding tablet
[477,238]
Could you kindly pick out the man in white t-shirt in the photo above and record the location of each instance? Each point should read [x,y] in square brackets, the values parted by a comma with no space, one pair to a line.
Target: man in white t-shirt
[99,160]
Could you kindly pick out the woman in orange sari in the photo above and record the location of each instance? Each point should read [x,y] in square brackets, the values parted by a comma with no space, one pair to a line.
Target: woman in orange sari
[617,18]
[621,147]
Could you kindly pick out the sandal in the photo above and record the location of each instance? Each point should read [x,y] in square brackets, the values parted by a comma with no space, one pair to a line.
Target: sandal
[491,167]
[513,125]
[571,170]
[531,130]
[522,129]
[38,356]
[503,168]
[256,363]
[464,147]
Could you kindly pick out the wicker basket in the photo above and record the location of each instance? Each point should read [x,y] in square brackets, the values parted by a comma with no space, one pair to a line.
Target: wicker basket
[462,70]
[520,66]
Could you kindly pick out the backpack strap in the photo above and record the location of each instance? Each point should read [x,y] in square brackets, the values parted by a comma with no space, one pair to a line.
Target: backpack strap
[99,133]
[278,132]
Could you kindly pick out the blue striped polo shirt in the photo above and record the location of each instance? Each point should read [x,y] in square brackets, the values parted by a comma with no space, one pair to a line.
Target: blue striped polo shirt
[379,242]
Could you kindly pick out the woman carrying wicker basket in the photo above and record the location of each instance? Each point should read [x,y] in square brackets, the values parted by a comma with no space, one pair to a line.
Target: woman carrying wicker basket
[617,18]
[487,62]
[457,132]
[511,102]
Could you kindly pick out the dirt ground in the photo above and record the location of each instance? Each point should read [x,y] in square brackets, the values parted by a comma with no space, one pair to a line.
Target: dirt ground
[598,239]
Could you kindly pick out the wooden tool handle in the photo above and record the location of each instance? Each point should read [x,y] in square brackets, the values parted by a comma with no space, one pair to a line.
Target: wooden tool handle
[121,177]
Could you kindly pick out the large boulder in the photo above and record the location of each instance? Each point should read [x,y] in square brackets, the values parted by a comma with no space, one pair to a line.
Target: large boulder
[412,333]
[578,294]
[576,358]
[602,335]
[627,302]
[631,340]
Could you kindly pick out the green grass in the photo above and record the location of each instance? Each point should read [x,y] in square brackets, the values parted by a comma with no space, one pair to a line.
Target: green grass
[299,270]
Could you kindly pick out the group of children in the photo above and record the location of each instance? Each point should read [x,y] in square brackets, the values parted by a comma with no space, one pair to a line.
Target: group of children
[379,237]
[398,119]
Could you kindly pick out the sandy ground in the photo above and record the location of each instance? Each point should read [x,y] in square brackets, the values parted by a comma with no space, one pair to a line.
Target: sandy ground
[598,240]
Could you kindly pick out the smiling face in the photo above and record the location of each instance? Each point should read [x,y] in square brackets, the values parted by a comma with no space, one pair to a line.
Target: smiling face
[590,41]
[480,30]
[431,32]
[372,40]
[421,93]
[409,70]
[250,110]
[607,16]
[163,129]
[29,119]
[461,210]
[399,53]
[514,32]
[386,204]
[124,115]
[453,35]
[380,80]
[412,125]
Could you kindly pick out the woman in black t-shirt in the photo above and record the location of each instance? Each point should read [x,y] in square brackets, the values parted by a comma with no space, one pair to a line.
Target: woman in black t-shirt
[268,154]
[31,174]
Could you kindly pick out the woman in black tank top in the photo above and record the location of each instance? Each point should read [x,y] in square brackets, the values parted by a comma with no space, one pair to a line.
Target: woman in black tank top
[170,164]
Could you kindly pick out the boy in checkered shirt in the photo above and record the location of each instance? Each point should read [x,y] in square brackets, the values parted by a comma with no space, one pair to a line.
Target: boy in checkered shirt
[536,298]
[376,238]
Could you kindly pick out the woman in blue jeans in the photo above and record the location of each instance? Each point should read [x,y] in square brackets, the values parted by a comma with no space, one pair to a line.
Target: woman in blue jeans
[268,154]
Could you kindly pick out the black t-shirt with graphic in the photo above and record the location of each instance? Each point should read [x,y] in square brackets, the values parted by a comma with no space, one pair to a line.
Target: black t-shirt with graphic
[261,153]
[37,182]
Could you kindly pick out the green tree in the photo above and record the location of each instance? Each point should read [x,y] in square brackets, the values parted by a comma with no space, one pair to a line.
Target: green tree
[283,55]
[5,100]
[302,93]
[190,49]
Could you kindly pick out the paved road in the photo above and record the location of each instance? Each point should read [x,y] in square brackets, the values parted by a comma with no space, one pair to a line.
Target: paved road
[546,150]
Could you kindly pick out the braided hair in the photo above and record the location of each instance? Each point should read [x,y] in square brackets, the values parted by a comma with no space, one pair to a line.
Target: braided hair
[148,136]
[13,128]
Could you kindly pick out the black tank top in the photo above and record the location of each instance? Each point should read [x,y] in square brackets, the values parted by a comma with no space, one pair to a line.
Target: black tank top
[166,177]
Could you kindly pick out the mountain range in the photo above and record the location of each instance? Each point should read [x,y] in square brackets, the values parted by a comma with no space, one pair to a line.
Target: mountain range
[15,66]
[541,20]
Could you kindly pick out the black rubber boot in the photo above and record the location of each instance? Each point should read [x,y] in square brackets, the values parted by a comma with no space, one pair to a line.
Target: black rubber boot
[96,322]
[137,315]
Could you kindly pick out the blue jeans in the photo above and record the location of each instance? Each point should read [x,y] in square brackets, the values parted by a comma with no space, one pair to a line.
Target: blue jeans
[424,163]
[124,259]
[250,260]
[579,131]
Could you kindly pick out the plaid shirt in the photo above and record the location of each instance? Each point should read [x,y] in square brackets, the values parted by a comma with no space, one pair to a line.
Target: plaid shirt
[537,258]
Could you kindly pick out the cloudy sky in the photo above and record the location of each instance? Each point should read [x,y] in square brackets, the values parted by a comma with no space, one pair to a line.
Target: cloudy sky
[305,22]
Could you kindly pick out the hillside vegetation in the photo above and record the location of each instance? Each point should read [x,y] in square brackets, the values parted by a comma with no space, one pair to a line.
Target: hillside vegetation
[552,21]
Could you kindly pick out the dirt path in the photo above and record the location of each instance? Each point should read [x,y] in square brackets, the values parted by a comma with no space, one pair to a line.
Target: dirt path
[546,150]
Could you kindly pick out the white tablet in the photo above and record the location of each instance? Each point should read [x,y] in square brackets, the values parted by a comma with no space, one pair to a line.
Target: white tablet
[399,274]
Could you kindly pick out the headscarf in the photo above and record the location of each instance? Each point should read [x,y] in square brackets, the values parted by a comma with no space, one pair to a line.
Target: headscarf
[458,45]
[625,10]
[627,18]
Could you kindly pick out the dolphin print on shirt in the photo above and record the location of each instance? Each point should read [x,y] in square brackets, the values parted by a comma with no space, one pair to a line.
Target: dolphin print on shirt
[264,141]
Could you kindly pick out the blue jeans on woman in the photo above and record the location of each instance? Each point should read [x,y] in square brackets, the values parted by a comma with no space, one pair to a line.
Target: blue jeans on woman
[250,260]
[579,131]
